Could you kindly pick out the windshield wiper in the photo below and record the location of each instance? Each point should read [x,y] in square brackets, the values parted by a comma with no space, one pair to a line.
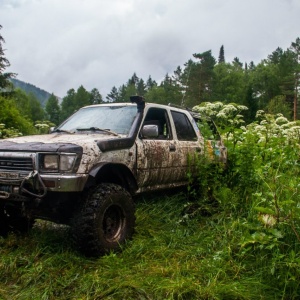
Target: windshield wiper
[97,129]
[61,130]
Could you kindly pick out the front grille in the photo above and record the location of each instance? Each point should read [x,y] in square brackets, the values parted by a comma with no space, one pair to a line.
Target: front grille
[16,163]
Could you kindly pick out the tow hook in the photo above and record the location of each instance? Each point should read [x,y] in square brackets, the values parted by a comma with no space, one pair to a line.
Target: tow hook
[31,176]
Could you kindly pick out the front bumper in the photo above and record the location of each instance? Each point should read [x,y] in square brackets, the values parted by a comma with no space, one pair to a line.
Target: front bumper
[18,187]
[64,183]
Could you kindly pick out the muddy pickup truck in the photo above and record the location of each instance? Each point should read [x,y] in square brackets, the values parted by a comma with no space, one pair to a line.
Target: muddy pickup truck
[86,171]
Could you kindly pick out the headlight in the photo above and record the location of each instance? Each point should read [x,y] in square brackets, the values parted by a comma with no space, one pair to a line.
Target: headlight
[50,162]
[57,162]
[66,162]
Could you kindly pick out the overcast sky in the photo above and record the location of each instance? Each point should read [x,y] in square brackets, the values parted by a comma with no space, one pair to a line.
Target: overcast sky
[62,44]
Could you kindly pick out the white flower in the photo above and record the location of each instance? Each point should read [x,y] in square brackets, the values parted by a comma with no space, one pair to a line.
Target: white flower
[281,120]
[263,122]
[242,107]
[221,115]
[260,113]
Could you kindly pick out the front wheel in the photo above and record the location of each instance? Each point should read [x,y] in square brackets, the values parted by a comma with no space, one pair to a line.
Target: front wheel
[105,222]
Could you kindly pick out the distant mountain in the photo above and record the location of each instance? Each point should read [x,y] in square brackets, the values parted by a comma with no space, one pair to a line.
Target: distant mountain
[40,94]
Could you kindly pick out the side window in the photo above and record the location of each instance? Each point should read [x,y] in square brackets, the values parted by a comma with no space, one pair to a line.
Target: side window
[184,128]
[158,117]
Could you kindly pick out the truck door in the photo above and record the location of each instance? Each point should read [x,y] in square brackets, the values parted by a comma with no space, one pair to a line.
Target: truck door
[156,152]
[188,145]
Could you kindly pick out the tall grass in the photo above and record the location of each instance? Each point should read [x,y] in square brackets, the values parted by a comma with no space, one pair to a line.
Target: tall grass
[170,257]
[237,236]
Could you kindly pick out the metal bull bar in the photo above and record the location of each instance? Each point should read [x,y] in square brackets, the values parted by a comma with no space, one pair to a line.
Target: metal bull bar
[34,175]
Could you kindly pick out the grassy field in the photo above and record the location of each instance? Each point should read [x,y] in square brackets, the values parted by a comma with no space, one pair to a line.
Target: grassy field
[178,252]
[236,237]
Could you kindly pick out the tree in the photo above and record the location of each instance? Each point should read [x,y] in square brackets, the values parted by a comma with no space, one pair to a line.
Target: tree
[221,55]
[96,97]
[4,63]
[141,87]
[295,48]
[237,63]
[228,83]
[276,56]
[199,78]
[53,109]
[68,104]
[82,98]
[279,105]
[150,83]
[36,109]
[265,82]
[13,118]
[113,95]
[28,105]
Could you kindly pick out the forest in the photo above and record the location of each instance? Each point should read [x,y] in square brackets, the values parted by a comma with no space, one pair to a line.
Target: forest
[234,233]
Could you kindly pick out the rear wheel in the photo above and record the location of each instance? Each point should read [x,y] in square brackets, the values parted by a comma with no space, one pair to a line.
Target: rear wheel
[105,221]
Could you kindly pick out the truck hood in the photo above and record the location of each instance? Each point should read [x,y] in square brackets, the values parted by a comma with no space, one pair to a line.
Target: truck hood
[55,142]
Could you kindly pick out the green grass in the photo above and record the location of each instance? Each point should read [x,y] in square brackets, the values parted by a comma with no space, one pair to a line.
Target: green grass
[170,257]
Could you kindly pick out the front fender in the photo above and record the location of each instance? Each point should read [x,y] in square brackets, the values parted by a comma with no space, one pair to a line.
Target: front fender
[112,173]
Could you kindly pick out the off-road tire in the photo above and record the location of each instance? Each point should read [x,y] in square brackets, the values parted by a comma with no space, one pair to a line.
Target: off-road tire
[12,220]
[105,221]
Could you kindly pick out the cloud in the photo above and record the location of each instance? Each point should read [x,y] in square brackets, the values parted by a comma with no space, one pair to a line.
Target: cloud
[58,45]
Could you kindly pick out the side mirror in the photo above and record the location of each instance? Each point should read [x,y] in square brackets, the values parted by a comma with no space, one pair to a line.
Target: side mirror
[149,131]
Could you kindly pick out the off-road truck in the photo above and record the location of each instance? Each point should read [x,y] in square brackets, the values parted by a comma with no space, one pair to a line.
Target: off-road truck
[85,172]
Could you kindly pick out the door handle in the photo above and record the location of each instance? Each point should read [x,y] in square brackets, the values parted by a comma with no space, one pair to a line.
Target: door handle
[172,148]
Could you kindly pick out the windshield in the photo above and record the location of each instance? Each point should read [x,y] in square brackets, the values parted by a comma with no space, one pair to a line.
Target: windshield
[117,119]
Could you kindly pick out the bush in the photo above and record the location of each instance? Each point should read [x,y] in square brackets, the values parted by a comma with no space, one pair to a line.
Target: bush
[259,191]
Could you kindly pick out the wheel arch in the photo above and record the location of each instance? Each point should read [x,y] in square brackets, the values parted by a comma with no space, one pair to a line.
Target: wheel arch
[112,173]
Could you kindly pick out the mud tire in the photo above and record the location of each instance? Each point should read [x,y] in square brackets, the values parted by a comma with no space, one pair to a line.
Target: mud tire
[105,221]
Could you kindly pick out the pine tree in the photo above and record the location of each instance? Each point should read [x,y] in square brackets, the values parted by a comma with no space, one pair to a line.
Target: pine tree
[236,62]
[96,97]
[295,48]
[53,109]
[199,78]
[141,87]
[113,95]
[4,63]
[221,55]
[150,83]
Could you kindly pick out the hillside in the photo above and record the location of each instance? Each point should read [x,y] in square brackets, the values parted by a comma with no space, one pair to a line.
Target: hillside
[40,94]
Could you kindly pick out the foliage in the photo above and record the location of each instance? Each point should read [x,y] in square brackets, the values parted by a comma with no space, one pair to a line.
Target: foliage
[259,191]
[41,95]
[8,132]
[13,118]
[28,104]
[201,80]
[5,85]
[237,236]
[77,99]
[53,109]
[43,127]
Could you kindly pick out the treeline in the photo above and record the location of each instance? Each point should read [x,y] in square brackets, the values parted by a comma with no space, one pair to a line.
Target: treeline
[271,85]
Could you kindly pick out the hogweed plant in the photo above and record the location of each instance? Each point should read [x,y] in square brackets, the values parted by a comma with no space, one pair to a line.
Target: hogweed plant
[8,132]
[261,187]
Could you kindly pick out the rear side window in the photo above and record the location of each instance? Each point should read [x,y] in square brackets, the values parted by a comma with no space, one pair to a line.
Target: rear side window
[184,128]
